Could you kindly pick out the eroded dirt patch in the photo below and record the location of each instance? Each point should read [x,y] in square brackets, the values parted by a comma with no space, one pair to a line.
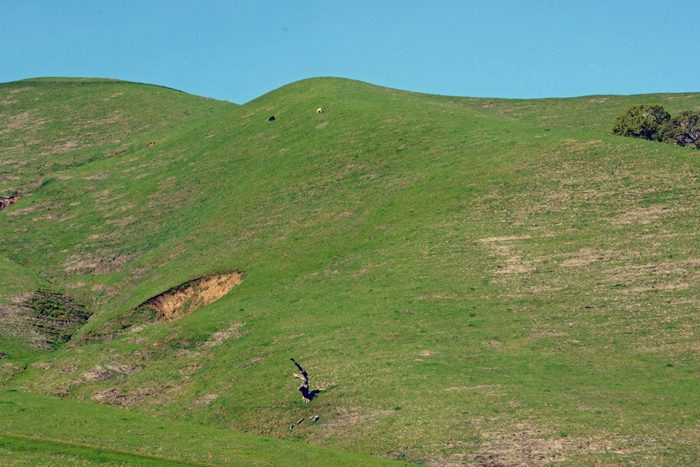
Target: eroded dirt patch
[172,305]
[7,201]
[182,300]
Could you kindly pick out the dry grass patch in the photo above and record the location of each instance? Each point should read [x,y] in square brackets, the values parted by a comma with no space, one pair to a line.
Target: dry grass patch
[502,246]
[42,366]
[97,374]
[583,257]
[219,338]
[527,445]
[347,419]
[117,397]
[23,121]
[646,215]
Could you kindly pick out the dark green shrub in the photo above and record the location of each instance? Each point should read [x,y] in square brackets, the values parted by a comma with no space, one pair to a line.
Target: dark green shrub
[646,121]
[684,130]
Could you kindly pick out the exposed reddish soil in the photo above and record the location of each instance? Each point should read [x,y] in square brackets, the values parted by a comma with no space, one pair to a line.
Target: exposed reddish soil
[182,300]
[7,201]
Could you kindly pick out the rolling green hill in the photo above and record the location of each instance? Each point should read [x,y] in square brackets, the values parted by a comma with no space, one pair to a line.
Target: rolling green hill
[466,281]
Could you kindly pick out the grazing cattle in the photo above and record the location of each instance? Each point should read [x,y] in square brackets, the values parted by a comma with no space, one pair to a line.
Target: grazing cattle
[319,110]
[271,119]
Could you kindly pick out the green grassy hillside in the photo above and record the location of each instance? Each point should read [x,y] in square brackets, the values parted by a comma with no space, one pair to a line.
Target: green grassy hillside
[466,281]
[38,429]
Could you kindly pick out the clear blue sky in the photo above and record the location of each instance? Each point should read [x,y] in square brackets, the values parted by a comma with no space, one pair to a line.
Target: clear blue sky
[239,50]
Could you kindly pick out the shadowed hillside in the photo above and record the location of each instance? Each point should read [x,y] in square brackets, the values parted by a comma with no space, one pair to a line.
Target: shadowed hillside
[466,281]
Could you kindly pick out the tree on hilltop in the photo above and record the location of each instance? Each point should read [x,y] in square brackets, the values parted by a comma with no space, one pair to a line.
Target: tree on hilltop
[646,121]
[684,130]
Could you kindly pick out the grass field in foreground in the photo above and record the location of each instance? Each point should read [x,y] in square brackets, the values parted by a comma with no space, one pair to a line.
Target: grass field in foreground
[41,430]
[468,281]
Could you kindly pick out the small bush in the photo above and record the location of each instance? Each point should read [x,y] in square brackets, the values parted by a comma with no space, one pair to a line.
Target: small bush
[684,130]
[652,122]
[646,121]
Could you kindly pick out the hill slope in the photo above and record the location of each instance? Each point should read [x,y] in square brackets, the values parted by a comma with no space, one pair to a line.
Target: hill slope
[463,284]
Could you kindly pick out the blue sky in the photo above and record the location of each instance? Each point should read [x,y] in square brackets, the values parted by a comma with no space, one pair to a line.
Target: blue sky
[239,50]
